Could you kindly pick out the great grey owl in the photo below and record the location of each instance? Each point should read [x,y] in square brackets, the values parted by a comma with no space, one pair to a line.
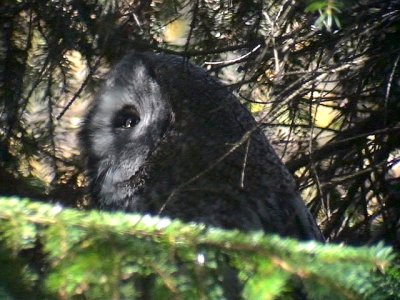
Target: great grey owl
[163,137]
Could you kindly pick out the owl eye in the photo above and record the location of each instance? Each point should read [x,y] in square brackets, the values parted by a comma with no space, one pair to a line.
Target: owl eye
[125,118]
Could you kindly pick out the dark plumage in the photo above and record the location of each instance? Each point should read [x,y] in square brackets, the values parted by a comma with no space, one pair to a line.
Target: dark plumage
[164,137]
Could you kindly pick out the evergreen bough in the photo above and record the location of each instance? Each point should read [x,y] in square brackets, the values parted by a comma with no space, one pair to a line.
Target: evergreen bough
[48,251]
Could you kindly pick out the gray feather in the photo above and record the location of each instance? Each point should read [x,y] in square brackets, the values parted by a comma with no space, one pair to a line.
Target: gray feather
[195,152]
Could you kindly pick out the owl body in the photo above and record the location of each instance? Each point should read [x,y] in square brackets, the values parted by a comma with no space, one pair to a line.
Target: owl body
[165,138]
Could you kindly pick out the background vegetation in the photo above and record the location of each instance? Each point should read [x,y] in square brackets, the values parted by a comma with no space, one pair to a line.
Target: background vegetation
[322,78]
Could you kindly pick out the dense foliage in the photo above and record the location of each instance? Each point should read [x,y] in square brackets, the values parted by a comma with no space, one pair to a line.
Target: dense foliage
[99,256]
